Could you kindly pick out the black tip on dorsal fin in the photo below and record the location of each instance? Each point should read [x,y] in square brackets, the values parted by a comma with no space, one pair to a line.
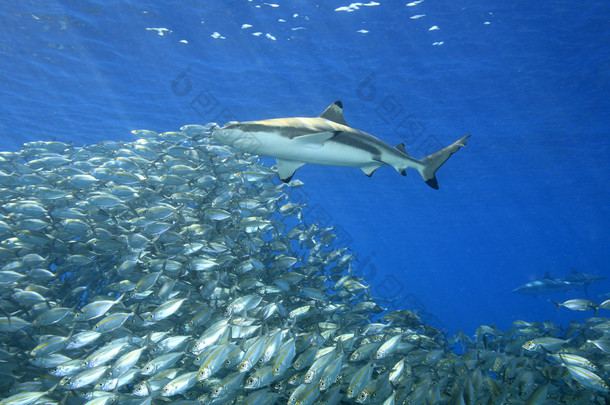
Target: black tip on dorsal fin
[334,113]
[401,147]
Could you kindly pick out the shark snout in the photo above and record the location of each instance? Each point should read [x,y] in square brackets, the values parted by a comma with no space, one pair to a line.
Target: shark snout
[225,135]
[234,135]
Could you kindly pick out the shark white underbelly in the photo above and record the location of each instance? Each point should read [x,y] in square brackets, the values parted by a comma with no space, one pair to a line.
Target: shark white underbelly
[329,153]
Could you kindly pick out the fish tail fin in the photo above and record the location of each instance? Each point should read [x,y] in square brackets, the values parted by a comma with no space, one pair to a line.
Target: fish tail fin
[432,162]
[557,304]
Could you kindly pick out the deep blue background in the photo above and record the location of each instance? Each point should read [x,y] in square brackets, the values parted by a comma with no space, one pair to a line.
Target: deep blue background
[529,193]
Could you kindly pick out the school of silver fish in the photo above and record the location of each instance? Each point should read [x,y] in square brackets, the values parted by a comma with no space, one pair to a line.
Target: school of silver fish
[172,269]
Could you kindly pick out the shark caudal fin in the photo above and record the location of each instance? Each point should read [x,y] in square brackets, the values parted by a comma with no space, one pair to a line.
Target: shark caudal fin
[432,162]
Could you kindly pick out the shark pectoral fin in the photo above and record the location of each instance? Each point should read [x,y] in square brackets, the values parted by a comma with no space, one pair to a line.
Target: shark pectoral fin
[286,169]
[315,140]
[368,170]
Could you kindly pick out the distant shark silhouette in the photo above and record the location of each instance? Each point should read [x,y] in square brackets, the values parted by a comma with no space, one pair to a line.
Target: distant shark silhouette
[548,285]
[327,140]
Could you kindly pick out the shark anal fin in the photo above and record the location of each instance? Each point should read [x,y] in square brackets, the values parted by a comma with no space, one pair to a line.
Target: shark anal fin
[334,113]
[314,140]
[286,169]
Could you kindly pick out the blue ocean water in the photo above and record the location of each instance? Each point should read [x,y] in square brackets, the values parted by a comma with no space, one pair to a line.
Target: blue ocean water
[528,80]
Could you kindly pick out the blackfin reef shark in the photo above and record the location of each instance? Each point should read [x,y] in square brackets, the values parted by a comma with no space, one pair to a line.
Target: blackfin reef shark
[327,140]
[549,285]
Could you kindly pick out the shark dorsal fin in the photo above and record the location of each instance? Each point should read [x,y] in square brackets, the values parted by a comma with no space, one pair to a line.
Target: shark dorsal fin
[401,147]
[334,113]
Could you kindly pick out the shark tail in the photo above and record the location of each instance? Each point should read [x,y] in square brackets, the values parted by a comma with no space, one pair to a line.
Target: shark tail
[431,163]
